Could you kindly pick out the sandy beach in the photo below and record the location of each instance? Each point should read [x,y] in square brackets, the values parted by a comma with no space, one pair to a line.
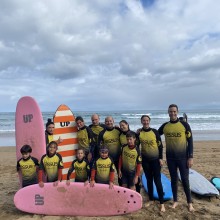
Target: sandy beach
[206,161]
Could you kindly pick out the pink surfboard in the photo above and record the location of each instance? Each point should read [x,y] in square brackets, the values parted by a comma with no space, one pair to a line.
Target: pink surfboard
[29,128]
[77,200]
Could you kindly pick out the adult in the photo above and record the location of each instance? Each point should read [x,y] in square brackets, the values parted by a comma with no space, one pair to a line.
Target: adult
[110,137]
[152,159]
[96,127]
[179,152]
[49,132]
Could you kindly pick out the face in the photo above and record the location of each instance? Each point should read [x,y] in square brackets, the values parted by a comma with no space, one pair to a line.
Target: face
[123,126]
[95,119]
[103,154]
[50,128]
[25,155]
[80,154]
[131,141]
[173,113]
[145,122]
[52,149]
[80,124]
[109,122]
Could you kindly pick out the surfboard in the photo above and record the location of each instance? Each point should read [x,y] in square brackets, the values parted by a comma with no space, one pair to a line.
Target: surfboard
[216,182]
[200,185]
[65,128]
[77,200]
[29,128]
[166,187]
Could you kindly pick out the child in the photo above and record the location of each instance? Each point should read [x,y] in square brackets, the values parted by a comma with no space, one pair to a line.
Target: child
[81,167]
[28,166]
[103,169]
[130,162]
[52,164]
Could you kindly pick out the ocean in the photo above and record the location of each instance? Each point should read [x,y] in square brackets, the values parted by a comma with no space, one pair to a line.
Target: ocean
[205,124]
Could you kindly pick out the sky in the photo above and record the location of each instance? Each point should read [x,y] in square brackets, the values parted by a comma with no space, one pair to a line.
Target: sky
[110,55]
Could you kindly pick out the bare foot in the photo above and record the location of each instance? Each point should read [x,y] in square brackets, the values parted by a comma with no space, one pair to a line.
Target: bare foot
[175,204]
[162,208]
[149,203]
[190,206]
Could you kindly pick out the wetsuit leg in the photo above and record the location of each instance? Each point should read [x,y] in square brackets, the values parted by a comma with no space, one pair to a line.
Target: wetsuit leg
[184,173]
[172,166]
[157,179]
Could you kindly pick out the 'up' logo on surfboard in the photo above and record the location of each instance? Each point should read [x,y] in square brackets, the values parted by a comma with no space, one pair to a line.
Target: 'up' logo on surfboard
[39,200]
[27,118]
[64,124]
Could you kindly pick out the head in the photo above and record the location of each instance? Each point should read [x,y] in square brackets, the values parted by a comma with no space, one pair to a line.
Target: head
[80,154]
[50,126]
[103,152]
[145,121]
[109,122]
[52,147]
[173,112]
[26,151]
[80,122]
[131,138]
[124,126]
[95,119]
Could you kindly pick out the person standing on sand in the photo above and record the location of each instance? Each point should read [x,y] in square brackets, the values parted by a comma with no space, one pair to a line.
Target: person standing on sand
[179,152]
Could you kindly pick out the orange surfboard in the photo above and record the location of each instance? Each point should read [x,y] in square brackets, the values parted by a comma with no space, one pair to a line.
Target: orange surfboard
[65,128]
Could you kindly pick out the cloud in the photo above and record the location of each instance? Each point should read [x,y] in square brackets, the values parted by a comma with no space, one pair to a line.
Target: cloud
[110,54]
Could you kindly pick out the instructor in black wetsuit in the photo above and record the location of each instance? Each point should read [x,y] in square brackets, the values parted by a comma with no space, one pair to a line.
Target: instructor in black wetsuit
[179,152]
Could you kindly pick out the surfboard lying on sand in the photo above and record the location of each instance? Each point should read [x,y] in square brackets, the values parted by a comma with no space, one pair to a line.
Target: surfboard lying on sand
[77,200]
[200,185]
[216,182]
[29,128]
[166,187]
[65,128]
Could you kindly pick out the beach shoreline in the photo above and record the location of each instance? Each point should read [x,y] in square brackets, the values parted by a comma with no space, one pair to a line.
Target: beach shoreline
[206,161]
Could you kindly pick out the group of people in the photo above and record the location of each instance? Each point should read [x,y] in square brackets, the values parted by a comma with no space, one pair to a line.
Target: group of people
[104,149]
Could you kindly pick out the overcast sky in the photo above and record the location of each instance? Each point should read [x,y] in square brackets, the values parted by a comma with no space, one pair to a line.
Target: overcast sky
[110,54]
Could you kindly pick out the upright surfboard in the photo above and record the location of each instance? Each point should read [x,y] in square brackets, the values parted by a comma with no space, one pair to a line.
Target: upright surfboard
[200,185]
[65,128]
[216,182]
[77,200]
[166,187]
[29,127]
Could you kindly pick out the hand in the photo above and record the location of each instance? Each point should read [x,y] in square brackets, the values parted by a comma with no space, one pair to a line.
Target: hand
[41,184]
[92,183]
[68,182]
[119,174]
[161,162]
[55,183]
[136,180]
[86,183]
[190,162]
[89,157]
[111,185]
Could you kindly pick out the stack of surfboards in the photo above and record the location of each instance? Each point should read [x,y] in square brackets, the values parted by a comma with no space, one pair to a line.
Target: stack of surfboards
[200,185]
[65,128]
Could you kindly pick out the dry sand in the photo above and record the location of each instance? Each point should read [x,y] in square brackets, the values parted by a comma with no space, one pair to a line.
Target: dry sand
[206,161]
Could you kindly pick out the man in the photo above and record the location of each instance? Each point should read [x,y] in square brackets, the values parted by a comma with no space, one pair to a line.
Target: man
[96,127]
[179,152]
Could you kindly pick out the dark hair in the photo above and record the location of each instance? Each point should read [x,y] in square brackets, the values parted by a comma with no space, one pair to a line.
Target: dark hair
[26,149]
[143,116]
[173,106]
[125,122]
[103,148]
[51,143]
[79,118]
[81,148]
[49,122]
[131,134]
